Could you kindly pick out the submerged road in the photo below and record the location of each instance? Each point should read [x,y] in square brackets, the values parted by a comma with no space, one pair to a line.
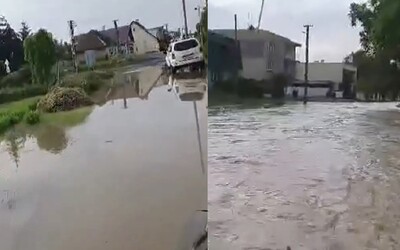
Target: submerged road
[128,177]
[324,176]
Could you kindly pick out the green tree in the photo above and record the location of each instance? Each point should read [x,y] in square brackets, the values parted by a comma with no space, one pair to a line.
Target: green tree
[40,52]
[25,31]
[379,21]
[202,30]
[11,48]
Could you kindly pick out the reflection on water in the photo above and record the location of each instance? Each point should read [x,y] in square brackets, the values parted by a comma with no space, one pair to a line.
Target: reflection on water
[123,179]
[51,138]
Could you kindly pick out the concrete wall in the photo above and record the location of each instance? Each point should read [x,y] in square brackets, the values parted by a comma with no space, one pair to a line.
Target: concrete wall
[321,72]
[312,92]
[143,41]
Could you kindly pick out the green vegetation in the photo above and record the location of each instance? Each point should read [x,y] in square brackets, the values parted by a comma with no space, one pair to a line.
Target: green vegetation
[40,53]
[32,117]
[202,30]
[64,99]
[218,98]
[14,112]
[250,88]
[378,62]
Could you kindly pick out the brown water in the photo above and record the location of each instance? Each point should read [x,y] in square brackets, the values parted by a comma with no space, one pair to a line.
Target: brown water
[128,177]
[325,176]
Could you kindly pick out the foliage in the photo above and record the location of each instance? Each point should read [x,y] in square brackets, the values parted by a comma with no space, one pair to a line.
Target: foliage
[63,99]
[376,75]
[11,47]
[202,31]
[279,82]
[40,52]
[379,21]
[15,94]
[9,118]
[25,31]
[17,78]
[32,117]
[90,81]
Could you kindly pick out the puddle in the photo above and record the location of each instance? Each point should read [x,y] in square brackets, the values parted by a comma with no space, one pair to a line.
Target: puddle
[130,176]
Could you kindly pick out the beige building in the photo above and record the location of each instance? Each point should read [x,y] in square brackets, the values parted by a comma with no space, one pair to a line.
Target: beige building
[324,71]
[144,41]
[264,53]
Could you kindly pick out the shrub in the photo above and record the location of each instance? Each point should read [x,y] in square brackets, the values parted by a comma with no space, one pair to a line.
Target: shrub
[32,117]
[8,119]
[15,94]
[279,82]
[17,78]
[251,88]
[33,106]
[63,99]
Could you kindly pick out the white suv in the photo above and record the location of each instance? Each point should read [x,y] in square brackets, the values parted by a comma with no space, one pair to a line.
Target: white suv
[184,53]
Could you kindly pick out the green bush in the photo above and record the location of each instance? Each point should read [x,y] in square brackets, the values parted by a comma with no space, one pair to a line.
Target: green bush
[279,82]
[63,99]
[32,117]
[89,81]
[251,88]
[33,106]
[8,119]
[15,94]
[17,78]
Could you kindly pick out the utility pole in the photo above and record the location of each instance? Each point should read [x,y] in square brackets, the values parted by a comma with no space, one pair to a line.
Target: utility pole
[308,26]
[236,50]
[259,17]
[235,18]
[72,25]
[117,32]
[185,17]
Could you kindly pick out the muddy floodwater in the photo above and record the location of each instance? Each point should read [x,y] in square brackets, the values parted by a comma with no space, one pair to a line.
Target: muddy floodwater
[130,176]
[324,176]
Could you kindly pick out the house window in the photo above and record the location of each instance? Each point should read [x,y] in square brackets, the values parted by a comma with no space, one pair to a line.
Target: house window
[271,47]
[270,64]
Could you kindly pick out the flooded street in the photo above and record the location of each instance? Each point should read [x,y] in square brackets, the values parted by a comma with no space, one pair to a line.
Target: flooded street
[324,176]
[130,176]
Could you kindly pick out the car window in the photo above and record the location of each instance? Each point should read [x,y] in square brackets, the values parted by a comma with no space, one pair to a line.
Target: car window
[185,45]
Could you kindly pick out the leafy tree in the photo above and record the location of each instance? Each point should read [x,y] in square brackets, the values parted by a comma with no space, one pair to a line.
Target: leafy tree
[25,31]
[11,47]
[202,30]
[40,52]
[379,20]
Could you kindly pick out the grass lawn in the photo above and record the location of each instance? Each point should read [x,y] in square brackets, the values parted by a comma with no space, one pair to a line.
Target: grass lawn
[66,118]
[18,105]
[12,113]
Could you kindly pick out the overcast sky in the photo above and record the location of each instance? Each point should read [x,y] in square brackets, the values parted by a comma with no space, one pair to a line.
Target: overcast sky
[332,37]
[93,14]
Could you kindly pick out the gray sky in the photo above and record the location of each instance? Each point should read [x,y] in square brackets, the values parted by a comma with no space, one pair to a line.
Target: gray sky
[332,37]
[93,14]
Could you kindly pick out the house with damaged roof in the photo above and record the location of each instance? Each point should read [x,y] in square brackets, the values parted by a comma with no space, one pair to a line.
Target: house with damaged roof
[132,39]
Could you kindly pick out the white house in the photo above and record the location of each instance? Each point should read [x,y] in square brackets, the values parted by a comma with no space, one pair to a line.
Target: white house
[143,41]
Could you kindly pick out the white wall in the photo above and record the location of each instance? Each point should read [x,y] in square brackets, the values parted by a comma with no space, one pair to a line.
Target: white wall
[312,92]
[255,68]
[143,41]
[321,71]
